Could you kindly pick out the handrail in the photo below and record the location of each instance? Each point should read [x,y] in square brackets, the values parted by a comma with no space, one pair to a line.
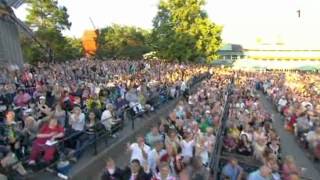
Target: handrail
[216,152]
[192,81]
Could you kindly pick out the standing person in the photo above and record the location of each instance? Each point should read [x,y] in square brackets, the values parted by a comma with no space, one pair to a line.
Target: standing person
[139,150]
[60,114]
[111,171]
[232,170]
[136,172]
[77,120]
[187,146]
[153,136]
[263,173]
[164,173]
[155,155]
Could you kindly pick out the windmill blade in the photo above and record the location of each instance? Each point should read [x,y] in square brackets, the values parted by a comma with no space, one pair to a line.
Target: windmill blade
[14,3]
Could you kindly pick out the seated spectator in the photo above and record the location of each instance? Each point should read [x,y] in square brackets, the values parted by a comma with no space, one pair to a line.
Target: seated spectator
[111,171]
[29,132]
[22,98]
[43,108]
[229,143]
[10,134]
[313,138]
[10,161]
[133,99]
[289,167]
[244,146]
[48,132]
[108,119]
[67,101]
[232,170]
[303,125]
[272,163]
[274,148]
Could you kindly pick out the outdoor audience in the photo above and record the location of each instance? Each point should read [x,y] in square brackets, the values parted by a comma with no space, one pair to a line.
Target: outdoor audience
[47,104]
[177,147]
[297,96]
[42,105]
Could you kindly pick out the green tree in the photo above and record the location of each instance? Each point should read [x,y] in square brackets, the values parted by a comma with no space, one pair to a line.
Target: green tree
[47,19]
[47,14]
[183,31]
[123,42]
[73,48]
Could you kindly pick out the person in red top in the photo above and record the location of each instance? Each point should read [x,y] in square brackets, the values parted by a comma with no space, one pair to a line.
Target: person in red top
[67,100]
[49,131]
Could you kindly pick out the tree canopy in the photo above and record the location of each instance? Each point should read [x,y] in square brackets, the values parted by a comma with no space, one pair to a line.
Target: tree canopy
[183,31]
[47,19]
[123,42]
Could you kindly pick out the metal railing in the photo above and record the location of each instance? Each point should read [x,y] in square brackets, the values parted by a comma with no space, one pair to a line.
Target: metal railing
[128,116]
[216,152]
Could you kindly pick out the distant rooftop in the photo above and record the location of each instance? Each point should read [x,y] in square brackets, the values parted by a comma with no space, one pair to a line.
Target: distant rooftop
[231,47]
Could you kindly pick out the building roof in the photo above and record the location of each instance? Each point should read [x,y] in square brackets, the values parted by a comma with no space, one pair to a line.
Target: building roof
[231,48]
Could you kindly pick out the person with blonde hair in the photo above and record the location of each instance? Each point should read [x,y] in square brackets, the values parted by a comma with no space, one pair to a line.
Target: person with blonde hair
[289,168]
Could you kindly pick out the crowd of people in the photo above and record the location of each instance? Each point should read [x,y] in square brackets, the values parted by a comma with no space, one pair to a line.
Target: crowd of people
[45,105]
[250,132]
[48,104]
[297,96]
[181,146]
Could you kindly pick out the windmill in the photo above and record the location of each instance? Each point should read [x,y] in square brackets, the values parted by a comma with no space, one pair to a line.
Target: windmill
[10,48]
[90,41]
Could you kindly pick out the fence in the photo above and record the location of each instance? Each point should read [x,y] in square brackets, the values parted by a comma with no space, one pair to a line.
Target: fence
[219,158]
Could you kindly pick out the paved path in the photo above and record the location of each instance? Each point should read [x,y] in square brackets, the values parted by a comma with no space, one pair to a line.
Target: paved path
[289,145]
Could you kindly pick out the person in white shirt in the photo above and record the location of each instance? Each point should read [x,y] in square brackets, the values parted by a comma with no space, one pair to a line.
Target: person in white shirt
[282,103]
[77,123]
[77,120]
[155,155]
[187,146]
[313,138]
[107,118]
[139,150]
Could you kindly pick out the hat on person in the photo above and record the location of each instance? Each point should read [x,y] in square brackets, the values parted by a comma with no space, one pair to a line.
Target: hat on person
[42,97]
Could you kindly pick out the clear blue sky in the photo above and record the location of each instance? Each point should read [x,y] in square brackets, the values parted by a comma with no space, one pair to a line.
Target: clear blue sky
[243,20]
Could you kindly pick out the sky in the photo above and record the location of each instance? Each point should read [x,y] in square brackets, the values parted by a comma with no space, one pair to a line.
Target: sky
[243,20]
